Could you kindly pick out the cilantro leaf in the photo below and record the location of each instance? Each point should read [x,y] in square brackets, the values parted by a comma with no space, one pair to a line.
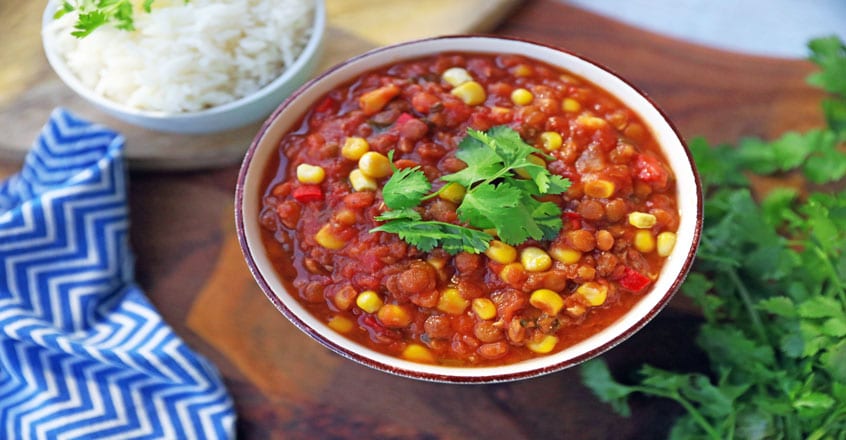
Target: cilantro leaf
[597,377]
[427,235]
[481,161]
[399,214]
[477,209]
[828,54]
[405,188]
[93,14]
[495,197]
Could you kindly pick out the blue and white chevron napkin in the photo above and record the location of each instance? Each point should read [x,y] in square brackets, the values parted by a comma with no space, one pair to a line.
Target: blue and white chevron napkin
[83,353]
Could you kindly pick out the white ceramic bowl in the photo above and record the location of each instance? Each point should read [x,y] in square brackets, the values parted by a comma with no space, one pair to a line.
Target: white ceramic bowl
[285,118]
[223,117]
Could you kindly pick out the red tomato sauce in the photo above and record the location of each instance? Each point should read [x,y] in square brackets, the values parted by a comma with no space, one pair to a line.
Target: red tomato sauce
[619,215]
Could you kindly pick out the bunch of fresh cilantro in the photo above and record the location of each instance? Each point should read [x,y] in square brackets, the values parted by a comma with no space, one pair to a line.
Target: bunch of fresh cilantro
[770,278]
[497,197]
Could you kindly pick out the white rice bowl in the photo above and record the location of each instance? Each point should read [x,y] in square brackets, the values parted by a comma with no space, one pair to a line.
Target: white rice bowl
[187,56]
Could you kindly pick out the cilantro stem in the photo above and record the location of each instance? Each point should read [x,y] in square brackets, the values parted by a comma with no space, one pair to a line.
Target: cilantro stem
[832,274]
[714,258]
[746,298]
[689,407]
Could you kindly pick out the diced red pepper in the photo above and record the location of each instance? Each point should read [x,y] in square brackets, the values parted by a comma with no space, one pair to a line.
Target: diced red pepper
[308,193]
[649,169]
[575,220]
[373,326]
[402,119]
[325,105]
[634,280]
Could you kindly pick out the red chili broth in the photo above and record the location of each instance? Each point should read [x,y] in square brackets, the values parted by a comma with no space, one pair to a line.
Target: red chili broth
[291,250]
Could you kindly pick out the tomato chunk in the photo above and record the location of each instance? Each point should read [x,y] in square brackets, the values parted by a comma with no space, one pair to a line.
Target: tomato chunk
[649,169]
[308,193]
[634,280]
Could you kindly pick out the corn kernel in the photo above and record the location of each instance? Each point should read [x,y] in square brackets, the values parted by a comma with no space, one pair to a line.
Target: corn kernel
[452,192]
[456,76]
[642,220]
[327,239]
[570,105]
[535,259]
[310,174]
[354,147]
[644,241]
[666,243]
[362,182]
[471,92]
[484,308]
[500,252]
[522,97]
[565,254]
[547,300]
[545,345]
[599,188]
[369,301]
[375,165]
[340,324]
[522,70]
[452,302]
[594,293]
[550,140]
[393,316]
[591,122]
[418,353]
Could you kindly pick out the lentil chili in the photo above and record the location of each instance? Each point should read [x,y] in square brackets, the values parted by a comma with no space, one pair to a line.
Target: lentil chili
[508,303]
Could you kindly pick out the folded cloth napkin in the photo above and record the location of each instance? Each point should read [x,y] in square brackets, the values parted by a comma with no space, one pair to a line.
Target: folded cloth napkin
[83,353]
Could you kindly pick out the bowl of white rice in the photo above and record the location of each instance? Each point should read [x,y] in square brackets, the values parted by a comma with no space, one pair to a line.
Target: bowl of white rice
[191,67]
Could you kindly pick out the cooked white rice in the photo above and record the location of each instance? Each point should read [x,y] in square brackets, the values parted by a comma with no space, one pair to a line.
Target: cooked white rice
[190,56]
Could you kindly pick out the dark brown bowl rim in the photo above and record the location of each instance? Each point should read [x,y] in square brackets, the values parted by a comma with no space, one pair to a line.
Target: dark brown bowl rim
[427,376]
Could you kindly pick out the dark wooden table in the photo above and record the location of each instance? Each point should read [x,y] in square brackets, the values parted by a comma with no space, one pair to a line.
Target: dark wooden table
[287,386]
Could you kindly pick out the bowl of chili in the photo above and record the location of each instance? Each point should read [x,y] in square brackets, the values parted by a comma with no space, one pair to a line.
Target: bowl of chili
[468,209]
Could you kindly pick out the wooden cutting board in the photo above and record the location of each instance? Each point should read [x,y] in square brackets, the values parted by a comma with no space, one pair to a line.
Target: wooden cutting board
[29,89]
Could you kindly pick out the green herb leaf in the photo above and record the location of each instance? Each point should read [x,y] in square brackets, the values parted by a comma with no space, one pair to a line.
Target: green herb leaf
[427,235]
[405,188]
[597,377]
[495,197]
[93,14]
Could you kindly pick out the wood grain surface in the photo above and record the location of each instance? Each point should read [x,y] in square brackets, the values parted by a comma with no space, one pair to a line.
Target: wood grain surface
[287,386]
[29,89]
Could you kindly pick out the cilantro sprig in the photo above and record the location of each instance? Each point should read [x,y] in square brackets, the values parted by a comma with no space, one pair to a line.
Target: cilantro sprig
[769,279]
[96,13]
[496,197]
